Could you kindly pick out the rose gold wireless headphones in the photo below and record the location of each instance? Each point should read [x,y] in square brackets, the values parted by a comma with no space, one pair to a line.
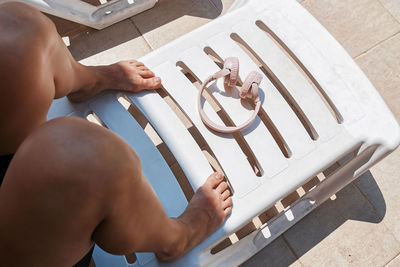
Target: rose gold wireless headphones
[249,90]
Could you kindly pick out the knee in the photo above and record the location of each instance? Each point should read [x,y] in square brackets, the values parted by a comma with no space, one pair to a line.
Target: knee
[80,154]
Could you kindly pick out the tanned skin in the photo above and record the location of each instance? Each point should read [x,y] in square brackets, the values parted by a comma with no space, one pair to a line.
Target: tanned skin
[72,183]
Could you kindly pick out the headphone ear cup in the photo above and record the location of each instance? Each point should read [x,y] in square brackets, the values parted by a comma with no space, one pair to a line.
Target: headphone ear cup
[232,64]
[250,85]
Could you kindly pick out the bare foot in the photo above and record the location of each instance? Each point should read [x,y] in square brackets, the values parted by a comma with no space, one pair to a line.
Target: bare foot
[130,75]
[205,213]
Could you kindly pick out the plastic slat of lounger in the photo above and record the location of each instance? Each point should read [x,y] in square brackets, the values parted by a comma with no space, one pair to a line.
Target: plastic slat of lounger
[63,107]
[274,104]
[104,259]
[225,148]
[314,61]
[257,135]
[117,119]
[172,131]
[60,107]
[285,70]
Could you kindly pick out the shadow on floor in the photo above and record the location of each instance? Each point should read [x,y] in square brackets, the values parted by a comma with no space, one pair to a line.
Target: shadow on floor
[158,15]
[85,42]
[350,204]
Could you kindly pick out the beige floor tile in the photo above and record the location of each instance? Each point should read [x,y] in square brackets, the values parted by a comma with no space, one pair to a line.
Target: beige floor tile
[117,42]
[393,6]
[386,201]
[394,263]
[381,65]
[159,27]
[357,24]
[341,232]
[275,254]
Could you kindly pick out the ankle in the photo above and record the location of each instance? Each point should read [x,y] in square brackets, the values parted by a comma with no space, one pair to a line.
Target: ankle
[102,78]
[195,222]
[178,242]
[98,80]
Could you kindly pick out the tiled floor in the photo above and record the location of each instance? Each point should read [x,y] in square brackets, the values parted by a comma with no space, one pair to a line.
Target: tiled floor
[361,226]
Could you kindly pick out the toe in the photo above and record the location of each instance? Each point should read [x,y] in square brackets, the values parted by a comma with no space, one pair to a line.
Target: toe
[227,203]
[151,83]
[138,64]
[142,68]
[146,73]
[222,187]
[225,194]
[214,180]
[227,211]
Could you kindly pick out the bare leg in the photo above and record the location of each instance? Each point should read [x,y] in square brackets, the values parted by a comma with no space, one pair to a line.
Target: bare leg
[36,67]
[72,183]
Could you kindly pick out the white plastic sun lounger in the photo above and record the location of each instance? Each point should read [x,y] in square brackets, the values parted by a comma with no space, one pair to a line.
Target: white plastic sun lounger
[321,126]
[97,17]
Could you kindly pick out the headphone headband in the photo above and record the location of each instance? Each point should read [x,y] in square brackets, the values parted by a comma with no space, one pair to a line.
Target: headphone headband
[250,87]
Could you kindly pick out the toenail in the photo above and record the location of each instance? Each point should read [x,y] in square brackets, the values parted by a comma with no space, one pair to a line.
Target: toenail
[219,176]
[156,79]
